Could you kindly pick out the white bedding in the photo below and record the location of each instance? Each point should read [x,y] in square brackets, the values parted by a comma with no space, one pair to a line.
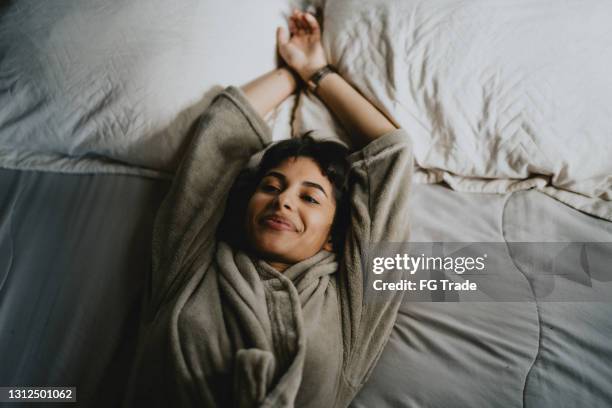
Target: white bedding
[114,86]
[497,96]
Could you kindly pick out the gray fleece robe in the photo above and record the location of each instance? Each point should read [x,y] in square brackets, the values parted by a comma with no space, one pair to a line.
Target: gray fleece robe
[222,329]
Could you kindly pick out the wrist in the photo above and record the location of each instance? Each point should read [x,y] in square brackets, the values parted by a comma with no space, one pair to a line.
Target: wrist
[307,72]
[289,75]
[318,76]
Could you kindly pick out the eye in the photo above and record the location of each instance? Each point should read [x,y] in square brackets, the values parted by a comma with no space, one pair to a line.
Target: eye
[310,199]
[269,188]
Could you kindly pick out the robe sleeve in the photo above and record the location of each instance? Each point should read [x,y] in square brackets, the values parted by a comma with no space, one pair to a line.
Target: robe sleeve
[229,132]
[380,180]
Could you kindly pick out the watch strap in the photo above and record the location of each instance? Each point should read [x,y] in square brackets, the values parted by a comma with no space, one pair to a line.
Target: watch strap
[315,79]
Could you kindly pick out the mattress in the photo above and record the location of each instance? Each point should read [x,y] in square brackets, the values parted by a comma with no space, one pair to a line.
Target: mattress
[74,250]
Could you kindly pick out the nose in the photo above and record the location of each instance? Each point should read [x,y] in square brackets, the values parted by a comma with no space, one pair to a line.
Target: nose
[284,200]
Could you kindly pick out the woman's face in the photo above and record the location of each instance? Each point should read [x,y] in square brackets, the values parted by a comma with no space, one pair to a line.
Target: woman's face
[290,215]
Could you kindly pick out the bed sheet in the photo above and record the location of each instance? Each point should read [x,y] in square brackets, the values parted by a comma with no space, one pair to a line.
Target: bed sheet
[73,253]
[497,96]
[497,354]
[114,86]
[74,250]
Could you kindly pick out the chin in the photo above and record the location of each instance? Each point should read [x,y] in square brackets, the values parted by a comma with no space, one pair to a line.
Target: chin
[273,247]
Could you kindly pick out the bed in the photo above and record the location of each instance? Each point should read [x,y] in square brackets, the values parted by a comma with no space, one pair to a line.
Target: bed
[509,354]
[74,257]
[97,102]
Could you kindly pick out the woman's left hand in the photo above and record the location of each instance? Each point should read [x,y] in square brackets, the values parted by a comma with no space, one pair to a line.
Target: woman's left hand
[302,49]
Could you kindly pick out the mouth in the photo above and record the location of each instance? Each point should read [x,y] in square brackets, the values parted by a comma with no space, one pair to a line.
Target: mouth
[278,223]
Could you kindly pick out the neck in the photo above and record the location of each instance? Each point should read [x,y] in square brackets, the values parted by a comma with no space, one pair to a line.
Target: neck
[279,266]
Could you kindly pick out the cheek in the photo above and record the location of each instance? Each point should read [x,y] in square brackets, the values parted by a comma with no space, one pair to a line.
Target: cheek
[256,205]
[321,222]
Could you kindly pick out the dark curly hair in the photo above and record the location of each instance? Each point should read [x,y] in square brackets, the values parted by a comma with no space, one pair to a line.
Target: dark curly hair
[331,157]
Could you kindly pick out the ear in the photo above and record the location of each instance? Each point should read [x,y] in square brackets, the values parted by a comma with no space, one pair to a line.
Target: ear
[328,246]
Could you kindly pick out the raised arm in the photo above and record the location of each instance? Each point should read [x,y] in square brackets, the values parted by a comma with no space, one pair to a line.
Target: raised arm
[304,53]
[381,173]
[229,133]
[269,90]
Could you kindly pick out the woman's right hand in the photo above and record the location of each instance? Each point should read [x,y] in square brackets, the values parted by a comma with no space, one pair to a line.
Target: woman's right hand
[301,48]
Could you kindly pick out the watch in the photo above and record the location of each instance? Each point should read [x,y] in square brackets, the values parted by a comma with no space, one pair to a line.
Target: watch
[313,81]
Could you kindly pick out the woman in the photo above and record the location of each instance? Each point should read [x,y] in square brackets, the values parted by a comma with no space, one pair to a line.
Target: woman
[274,313]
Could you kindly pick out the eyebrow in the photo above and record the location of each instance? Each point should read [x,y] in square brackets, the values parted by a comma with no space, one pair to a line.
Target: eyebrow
[305,183]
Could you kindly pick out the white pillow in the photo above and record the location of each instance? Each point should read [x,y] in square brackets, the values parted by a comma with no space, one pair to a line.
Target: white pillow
[122,80]
[496,95]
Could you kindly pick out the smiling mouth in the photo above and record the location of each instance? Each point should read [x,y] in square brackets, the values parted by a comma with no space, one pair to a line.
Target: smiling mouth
[278,223]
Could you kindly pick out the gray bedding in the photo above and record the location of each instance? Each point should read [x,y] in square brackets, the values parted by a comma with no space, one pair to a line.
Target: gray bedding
[74,249]
[73,253]
[494,354]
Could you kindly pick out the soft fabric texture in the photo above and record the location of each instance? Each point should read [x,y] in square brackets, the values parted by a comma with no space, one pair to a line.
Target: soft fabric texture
[89,86]
[224,329]
[498,354]
[497,96]
[81,292]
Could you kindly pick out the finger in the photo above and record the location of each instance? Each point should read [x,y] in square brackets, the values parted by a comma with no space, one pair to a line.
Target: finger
[282,37]
[296,19]
[312,23]
[305,23]
[292,26]
[299,26]
[299,22]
